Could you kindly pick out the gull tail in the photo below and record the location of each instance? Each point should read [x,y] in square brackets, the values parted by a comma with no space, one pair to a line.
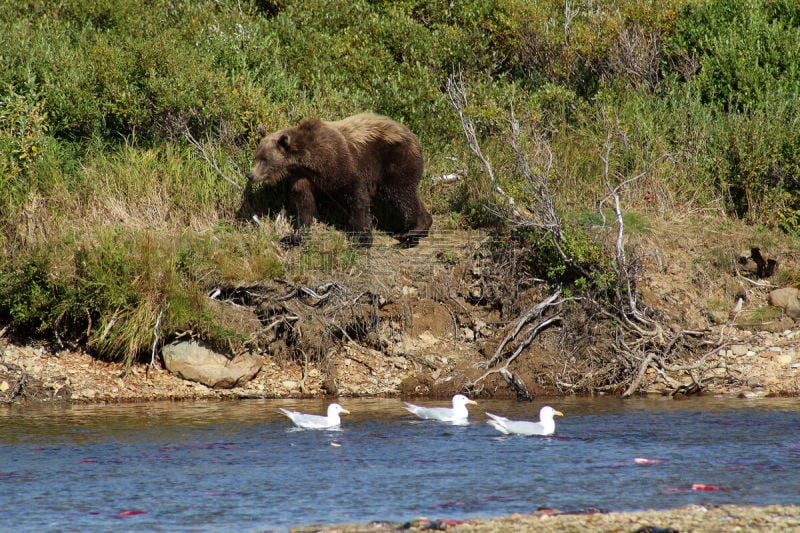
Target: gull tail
[498,422]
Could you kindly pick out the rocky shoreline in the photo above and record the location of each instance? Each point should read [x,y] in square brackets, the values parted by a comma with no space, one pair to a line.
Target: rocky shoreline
[750,363]
[705,518]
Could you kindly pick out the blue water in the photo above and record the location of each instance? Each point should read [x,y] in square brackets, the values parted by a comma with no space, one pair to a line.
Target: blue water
[239,465]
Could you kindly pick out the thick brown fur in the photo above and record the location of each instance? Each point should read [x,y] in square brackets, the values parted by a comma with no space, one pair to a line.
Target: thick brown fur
[355,163]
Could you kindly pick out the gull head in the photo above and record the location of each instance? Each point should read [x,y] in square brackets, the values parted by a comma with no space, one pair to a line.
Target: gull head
[459,400]
[335,409]
[547,413]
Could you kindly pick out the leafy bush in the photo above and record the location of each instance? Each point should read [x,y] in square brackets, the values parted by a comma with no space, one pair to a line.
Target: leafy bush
[110,292]
[579,262]
[22,130]
[747,53]
[745,65]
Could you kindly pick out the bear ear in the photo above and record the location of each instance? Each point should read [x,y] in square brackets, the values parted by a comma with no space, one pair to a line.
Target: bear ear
[262,131]
[284,141]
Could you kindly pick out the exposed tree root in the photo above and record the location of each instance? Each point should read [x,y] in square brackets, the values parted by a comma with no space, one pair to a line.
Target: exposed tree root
[640,338]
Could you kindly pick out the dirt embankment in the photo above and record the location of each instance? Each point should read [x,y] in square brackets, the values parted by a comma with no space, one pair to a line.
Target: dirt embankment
[454,315]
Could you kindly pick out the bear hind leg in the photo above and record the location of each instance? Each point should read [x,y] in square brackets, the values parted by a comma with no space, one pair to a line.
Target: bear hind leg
[417,223]
[360,219]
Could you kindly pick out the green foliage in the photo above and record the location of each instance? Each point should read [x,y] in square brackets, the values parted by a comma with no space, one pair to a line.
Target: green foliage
[748,52]
[585,47]
[756,159]
[740,62]
[112,290]
[27,293]
[22,131]
[578,262]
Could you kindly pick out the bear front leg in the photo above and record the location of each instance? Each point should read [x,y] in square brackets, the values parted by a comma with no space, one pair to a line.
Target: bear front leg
[304,206]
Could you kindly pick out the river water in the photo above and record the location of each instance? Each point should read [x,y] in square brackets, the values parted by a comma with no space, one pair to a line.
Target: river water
[240,466]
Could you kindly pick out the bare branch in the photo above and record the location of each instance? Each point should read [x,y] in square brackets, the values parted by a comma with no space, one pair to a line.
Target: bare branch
[534,311]
[457,95]
[155,338]
[543,207]
[202,149]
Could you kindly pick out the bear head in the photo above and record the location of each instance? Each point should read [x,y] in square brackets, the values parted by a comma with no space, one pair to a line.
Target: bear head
[280,152]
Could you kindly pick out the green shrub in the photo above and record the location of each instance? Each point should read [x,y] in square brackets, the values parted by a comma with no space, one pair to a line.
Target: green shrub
[747,52]
[579,262]
[22,131]
[108,290]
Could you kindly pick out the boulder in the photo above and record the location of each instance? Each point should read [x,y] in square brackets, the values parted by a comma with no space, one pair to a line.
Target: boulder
[787,298]
[190,360]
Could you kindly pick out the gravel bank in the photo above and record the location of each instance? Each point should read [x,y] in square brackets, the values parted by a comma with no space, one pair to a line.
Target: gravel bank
[692,518]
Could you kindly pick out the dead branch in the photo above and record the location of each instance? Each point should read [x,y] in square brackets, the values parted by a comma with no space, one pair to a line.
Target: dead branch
[640,337]
[513,380]
[204,153]
[155,338]
[533,312]
[661,368]
[621,260]
[537,176]
[517,384]
[457,95]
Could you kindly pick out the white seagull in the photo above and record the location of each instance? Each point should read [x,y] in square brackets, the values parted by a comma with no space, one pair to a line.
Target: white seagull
[457,413]
[545,426]
[317,421]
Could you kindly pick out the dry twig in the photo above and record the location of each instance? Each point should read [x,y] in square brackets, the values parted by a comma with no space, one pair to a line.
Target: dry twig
[204,153]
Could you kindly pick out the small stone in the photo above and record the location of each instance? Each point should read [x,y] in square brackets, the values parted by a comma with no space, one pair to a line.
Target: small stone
[289,384]
[4,386]
[739,349]
[410,291]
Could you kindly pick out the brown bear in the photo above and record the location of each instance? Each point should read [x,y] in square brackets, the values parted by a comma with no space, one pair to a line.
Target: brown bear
[358,164]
